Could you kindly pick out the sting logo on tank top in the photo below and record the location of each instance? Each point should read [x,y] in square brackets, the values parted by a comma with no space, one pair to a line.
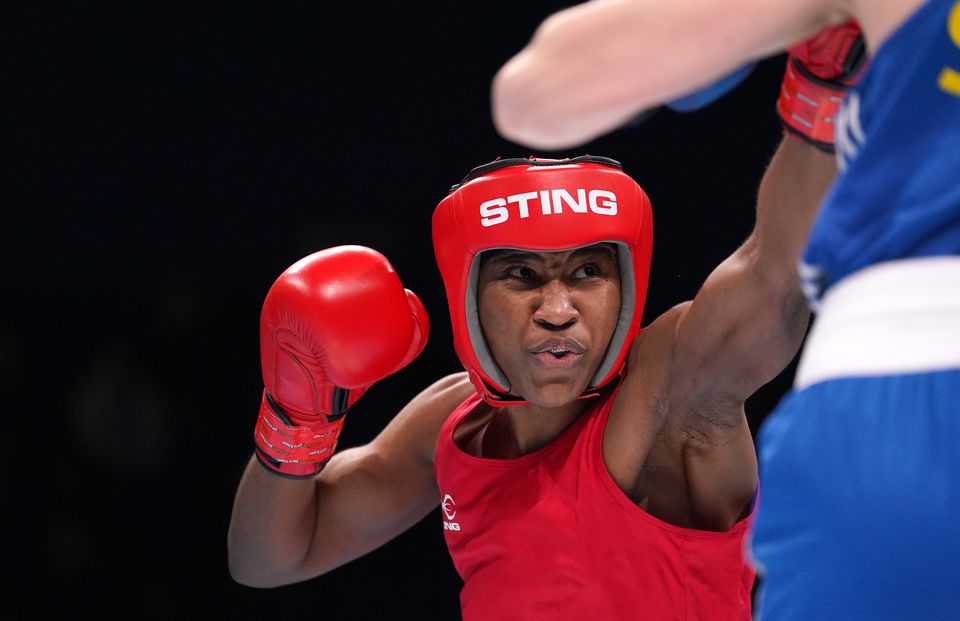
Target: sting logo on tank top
[449,507]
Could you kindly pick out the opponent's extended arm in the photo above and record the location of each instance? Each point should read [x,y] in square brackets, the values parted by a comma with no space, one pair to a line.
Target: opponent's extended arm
[590,68]
[332,324]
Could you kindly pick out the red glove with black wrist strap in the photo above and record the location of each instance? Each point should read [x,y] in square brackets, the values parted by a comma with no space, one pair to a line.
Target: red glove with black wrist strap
[819,72]
[332,324]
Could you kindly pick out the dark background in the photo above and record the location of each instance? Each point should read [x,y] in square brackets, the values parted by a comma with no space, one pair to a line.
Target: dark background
[166,164]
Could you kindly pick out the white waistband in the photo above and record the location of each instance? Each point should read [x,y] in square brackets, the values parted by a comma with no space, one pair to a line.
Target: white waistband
[890,318]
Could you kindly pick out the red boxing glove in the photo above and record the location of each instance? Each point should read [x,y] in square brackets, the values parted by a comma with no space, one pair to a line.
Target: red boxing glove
[819,72]
[332,324]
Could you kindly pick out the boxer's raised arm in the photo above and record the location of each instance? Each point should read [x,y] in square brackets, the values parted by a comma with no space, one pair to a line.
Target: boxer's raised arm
[284,531]
[332,325]
[590,68]
[748,319]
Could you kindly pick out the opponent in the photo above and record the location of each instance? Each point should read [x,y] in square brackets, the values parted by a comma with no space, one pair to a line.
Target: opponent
[859,462]
[584,467]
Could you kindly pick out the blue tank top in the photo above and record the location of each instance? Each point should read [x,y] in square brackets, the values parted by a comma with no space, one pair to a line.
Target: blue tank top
[897,194]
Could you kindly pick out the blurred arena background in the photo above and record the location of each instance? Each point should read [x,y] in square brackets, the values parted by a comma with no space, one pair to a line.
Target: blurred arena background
[165,163]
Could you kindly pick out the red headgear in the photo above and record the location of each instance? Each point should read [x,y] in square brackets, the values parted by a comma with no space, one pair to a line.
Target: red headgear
[540,205]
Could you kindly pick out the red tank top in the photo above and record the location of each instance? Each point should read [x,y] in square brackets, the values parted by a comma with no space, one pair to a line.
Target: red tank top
[550,535]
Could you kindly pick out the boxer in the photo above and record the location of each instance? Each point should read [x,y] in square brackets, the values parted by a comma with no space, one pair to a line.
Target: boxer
[582,465]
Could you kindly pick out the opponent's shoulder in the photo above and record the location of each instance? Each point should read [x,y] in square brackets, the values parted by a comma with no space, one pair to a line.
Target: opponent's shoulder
[879,18]
[419,422]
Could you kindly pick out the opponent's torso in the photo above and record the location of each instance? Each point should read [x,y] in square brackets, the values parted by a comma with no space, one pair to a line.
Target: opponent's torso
[898,144]
[550,535]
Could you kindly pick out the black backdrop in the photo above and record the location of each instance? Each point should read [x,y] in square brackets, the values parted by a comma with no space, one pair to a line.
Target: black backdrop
[166,164]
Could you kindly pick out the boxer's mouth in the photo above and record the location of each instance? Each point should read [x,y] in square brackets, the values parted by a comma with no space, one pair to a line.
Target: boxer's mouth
[558,352]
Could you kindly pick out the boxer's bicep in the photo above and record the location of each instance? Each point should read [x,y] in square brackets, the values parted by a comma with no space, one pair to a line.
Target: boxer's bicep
[741,331]
[749,317]
[369,494]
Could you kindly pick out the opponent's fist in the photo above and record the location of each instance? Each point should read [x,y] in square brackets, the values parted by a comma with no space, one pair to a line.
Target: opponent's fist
[708,94]
[332,324]
[819,71]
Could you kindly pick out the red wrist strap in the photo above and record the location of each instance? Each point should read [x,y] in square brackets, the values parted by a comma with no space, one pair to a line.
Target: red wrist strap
[293,451]
[808,106]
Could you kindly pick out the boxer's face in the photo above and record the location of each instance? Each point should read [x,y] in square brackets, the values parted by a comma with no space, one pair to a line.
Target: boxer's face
[548,317]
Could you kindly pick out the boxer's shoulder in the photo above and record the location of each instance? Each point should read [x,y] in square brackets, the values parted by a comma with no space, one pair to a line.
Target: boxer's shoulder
[419,422]
[445,394]
[655,346]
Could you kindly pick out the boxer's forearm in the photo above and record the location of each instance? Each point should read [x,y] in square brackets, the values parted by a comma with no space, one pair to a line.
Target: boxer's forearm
[789,198]
[271,527]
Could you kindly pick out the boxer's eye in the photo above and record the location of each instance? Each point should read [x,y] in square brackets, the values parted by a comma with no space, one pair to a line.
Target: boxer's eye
[588,271]
[521,272]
